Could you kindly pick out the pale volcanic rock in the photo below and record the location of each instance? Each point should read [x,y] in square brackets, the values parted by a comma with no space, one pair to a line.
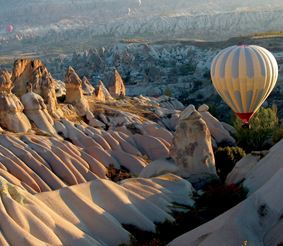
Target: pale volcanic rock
[242,168]
[25,71]
[151,146]
[116,85]
[157,131]
[86,142]
[5,81]
[229,128]
[192,148]
[34,72]
[158,167]
[28,221]
[99,92]
[96,123]
[125,143]
[102,93]
[171,121]
[36,110]
[85,214]
[87,87]
[60,88]
[255,221]
[43,164]
[134,164]
[74,92]
[217,130]
[11,109]
[265,169]
[31,161]
[120,118]
[169,103]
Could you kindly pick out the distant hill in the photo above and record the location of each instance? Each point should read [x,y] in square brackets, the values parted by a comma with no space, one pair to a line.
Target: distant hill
[83,23]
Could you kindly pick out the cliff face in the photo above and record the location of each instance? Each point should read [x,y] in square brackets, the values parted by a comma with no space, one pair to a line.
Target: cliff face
[27,72]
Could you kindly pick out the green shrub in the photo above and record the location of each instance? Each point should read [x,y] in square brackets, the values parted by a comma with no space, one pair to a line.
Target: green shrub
[226,158]
[262,127]
[168,92]
[277,135]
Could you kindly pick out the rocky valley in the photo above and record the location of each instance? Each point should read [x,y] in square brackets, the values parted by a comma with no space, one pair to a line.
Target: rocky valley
[78,161]
[112,130]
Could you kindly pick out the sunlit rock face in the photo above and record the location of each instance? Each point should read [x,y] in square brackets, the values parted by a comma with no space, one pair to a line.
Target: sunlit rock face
[88,214]
[99,92]
[11,108]
[116,85]
[34,72]
[217,130]
[102,93]
[74,92]
[192,148]
[88,89]
[5,81]
[36,110]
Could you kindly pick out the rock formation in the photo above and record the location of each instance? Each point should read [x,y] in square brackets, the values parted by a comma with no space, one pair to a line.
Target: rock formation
[74,92]
[12,117]
[243,168]
[5,81]
[116,85]
[102,93]
[60,88]
[260,167]
[192,149]
[36,110]
[87,87]
[91,213]
[255,221]
[158,167]
[217,130]
[34,72]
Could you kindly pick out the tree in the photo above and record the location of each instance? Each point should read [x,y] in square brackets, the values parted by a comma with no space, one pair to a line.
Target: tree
[167,92]
[262,127]
[226,158]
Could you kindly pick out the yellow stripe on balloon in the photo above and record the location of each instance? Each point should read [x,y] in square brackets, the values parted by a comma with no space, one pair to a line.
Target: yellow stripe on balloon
[244,76]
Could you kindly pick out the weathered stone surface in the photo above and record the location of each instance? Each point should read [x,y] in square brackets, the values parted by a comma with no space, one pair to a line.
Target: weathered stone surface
[36,110]
[192,149]
[217,130]
[5,81]
[87,87]
[151,146]
[243,168]
[158,167]
[34,72]
[257,220]
[74,92]
[116,85]
[11,108]
[102,94]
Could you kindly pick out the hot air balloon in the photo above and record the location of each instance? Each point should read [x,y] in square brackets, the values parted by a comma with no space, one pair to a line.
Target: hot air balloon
[9,28]
[244,76]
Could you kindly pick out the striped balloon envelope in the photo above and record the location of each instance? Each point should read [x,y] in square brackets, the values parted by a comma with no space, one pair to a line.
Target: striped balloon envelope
[244,76]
